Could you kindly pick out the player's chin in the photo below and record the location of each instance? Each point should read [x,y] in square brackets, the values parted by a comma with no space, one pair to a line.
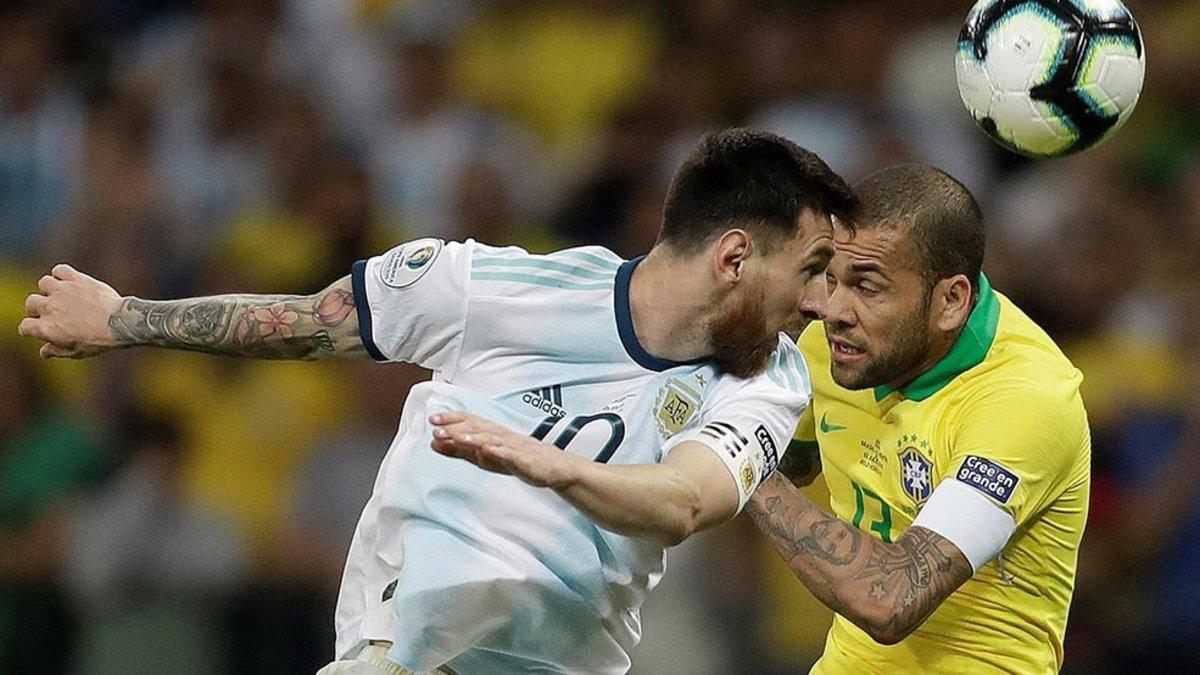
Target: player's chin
[797,324]
[745,365]
[848,376]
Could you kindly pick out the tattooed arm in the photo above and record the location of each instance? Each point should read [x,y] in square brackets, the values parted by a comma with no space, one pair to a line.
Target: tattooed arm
[77,316]
[886,589]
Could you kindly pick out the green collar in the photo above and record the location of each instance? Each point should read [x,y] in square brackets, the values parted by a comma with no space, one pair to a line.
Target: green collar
[968,351]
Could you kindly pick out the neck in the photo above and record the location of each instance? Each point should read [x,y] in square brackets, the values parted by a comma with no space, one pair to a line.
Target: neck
[670,307]
[939,347]
[936,352]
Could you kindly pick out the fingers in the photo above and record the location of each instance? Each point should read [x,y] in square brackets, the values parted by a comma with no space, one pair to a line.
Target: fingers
[48,284]
[449,448]
[31,327]
[482,442]
[451,417]
[464,434]
[489,457]
[459,424]
[464,441]
[50,351]
[460,416]
[35,304]
[64,272]
[471,453]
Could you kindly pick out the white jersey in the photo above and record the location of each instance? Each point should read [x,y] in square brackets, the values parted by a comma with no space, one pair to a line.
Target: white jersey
[480,571]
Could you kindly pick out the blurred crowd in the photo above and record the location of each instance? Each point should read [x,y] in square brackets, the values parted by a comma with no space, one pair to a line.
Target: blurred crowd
[176,513]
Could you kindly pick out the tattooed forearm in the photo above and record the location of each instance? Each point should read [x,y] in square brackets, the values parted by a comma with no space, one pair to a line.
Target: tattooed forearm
[911,578]
[887,589]
[259,326]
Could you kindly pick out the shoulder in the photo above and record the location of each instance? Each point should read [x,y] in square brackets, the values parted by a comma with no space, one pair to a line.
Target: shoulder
[785,379]
[509,269]
[1001,395]
[787,370]
[1022,346]
[1018,410]
[1024,372]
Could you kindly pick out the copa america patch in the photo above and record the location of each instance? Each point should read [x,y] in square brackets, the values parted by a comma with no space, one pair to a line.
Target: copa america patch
[404,265]
[990,478]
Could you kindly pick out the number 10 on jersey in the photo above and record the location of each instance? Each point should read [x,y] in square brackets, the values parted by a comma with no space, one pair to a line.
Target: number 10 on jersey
[616,432]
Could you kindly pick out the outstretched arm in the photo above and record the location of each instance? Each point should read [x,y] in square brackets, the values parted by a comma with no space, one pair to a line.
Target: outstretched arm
[77,316]
[689,491]
[887,589]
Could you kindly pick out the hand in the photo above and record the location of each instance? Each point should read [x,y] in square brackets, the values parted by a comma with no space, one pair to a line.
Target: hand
[801,464]
[496,448]
[70,314]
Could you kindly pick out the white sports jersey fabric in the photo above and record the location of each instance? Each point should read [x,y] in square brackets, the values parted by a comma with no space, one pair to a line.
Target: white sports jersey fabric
[480,571]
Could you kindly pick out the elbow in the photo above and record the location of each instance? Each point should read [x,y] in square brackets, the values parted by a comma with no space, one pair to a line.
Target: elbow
[887,631]
[887,636]
[684,522]
[673,536]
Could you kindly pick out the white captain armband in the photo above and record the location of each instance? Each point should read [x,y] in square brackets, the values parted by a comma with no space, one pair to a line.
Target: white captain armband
[976,525]
[749,456]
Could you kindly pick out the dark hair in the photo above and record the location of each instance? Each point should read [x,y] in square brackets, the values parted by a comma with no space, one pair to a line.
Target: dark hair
[749,179]
[940,214]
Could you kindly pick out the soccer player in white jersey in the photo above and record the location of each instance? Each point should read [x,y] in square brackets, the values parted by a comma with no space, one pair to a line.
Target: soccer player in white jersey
[663,381]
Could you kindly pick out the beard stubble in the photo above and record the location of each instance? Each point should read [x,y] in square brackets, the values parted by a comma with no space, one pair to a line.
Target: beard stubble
[742,342]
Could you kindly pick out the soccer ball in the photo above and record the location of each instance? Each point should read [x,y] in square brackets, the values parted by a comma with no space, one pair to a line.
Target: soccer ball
[1050,77]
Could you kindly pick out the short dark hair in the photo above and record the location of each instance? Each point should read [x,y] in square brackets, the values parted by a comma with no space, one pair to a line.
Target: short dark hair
[943,219]
[749,179]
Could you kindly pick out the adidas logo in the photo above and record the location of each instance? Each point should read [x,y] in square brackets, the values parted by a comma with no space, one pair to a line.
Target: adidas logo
[546,399]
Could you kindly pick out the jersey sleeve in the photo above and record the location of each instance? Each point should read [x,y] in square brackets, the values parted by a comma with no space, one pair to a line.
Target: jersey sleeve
[801,464]
[1014,451]
[806,430]
[747,423]
[412,302]
[976,526]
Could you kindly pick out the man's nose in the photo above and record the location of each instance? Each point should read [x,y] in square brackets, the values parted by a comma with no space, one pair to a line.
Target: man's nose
[837,308]
[813,303]
[814,300]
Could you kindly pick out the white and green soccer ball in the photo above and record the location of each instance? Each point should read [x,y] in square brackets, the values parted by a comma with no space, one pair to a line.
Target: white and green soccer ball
[1050,77]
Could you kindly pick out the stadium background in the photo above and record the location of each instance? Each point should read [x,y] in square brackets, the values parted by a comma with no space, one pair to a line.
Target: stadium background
[172,513]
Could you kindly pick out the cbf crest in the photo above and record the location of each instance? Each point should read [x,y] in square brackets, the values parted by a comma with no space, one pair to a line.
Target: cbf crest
[674,406]
[916,471]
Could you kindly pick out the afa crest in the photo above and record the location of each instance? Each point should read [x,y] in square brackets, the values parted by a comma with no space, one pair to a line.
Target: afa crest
[747,476]
[916,475]
[674,406]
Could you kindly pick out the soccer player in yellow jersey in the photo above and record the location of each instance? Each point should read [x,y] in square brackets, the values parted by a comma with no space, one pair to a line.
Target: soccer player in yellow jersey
[954,443]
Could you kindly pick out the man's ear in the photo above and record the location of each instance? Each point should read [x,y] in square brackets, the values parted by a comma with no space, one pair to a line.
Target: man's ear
[731,251]
[952,302]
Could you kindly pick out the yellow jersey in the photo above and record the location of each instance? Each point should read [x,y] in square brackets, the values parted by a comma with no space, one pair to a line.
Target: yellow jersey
[1001,412]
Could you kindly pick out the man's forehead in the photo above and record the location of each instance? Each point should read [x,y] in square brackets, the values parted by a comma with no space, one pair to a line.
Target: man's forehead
[888,246]
[816,228]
